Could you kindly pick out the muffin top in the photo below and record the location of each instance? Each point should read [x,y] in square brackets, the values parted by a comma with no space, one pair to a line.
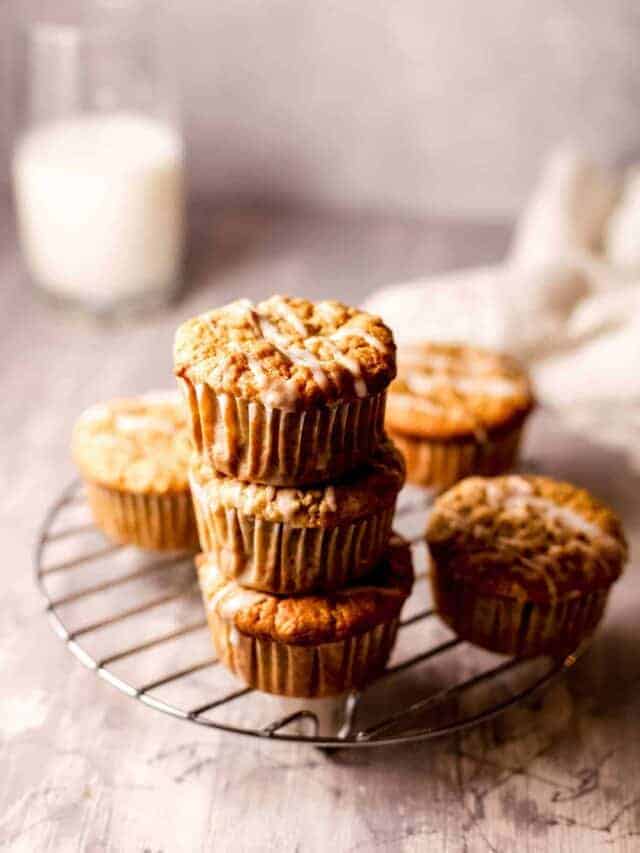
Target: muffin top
[286,353]
[362,493]
[312,619]
[450,390]
[138,444]
[528,538]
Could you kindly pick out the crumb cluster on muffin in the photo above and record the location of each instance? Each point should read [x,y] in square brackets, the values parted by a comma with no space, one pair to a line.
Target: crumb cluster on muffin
[362,492]
[133,454]
[456,410]
[136,444]
[523,564]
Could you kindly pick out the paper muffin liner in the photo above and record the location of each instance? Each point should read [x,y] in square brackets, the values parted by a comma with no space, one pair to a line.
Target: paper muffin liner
[312,671]
[160,522]
[440,464]
[251,442]
[280,558]
[513,627]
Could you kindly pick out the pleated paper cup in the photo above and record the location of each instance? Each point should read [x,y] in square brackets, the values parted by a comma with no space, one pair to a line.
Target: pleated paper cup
[279,558]
[516,627]
[309,671]
[161,522]
[441,463]
[251,442]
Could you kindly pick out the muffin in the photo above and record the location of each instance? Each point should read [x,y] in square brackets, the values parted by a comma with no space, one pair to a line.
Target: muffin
[289,541]
[133,455]
[523,565]
[285,392]
[309,646]
[455,410]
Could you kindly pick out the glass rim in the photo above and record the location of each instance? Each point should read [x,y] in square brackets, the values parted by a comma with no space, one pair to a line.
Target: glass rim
[48,30]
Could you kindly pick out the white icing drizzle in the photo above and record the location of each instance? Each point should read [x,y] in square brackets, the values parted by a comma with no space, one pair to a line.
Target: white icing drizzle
[219,595]
[247,496]
[354,331]
[240,494]
[230,598]
[237,599]
[410,402]
[281,394]
[328,311]
[288,503]
[303,356]
[415,357]
[288,314]
[136,423]
[330,497]
[240,306]
[489,386]
[353,366]
[515,486]
[477,373]
[198,491]
[258,371]
[454,410]
[519,495]
[294,354]
[270,333]
[284,393]
[246,308]
[567,516]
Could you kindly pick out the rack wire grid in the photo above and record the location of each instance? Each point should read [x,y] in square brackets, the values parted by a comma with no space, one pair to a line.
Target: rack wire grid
[135,618]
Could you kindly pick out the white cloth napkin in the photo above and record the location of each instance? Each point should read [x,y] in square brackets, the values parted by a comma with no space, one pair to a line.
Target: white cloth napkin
[566,299]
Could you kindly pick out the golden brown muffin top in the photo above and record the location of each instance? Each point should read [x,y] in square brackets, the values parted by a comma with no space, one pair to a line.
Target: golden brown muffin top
[361,493]
[450,390]
[137,444]
[311,619]
[525,537]
[286,353]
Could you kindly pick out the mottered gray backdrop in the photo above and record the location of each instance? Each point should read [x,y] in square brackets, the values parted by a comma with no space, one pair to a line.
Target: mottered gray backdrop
[414,105]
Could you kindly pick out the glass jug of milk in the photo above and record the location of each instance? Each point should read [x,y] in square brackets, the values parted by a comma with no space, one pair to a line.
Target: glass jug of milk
[98,167]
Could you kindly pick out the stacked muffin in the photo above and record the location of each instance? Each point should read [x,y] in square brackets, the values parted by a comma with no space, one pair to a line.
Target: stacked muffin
[294,486]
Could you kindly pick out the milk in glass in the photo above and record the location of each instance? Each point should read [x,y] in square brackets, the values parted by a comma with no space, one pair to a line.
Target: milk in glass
[100,206]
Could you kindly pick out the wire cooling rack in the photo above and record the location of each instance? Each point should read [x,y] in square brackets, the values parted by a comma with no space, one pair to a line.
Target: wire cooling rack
[135,619]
